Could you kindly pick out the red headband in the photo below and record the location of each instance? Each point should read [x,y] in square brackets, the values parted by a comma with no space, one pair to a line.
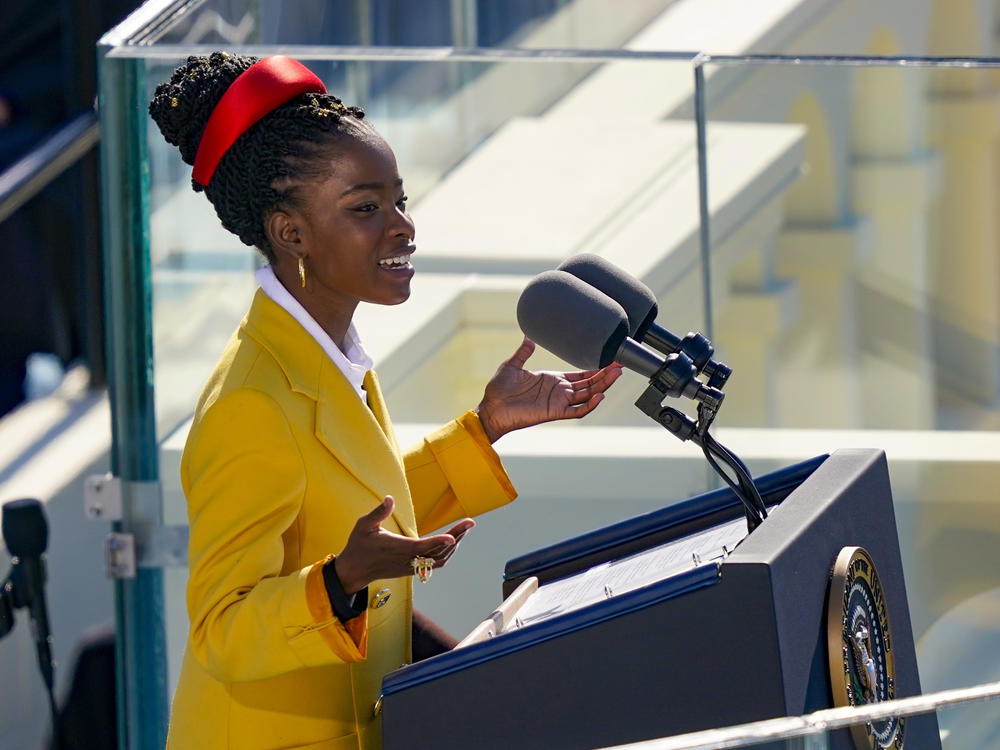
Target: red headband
[258,90]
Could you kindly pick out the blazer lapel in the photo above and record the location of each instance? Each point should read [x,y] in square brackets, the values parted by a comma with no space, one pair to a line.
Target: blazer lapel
[346,427]
[377,404]
[403,512]
[350,430]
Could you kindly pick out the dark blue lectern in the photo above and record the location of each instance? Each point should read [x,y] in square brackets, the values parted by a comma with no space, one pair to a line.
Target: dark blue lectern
[666,623]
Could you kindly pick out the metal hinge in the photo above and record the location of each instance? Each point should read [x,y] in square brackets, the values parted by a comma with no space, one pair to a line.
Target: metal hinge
[143,542]
[119,555]
[148,547]
[102,497]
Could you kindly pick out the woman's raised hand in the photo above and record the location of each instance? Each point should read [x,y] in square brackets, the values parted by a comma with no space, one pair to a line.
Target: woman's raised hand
[517,398]
[372,553]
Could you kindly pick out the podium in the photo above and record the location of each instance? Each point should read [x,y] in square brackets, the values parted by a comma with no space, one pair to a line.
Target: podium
[672,622]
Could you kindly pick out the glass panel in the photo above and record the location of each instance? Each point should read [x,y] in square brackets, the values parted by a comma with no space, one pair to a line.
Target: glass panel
[511,167]
[459,23]
[854,293]
[969,726]
[862,266]
[140,656]
[794,27]
[506,186]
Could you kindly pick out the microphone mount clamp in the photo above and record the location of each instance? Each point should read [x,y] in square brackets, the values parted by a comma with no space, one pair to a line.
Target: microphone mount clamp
[696,347]
[677,377]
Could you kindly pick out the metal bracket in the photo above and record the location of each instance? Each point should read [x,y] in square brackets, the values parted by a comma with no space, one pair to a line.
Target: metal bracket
[148,547]
[102,497]
[141,542]
[119,555]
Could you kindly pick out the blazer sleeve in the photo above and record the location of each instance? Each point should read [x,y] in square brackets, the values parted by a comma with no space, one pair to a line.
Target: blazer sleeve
[245,480]
[455,473]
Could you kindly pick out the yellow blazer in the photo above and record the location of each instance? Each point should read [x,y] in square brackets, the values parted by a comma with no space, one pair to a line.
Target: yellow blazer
[281,461]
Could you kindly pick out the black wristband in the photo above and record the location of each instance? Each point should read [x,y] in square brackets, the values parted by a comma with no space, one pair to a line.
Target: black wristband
[344,607]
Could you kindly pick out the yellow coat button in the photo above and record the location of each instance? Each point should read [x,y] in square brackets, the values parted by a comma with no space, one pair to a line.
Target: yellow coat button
[379,598]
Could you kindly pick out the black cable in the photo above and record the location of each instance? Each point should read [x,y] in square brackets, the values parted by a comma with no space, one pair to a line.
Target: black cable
[6,607]
[706,416]
[747,486]
[746,490]
[746,483]
[55,715]
[741,470]
[752,514]
[684,428]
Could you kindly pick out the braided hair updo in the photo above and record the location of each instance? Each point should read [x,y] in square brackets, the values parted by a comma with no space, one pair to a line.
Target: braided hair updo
[262,169]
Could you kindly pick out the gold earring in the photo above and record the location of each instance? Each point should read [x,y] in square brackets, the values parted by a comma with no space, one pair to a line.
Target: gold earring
[302,272]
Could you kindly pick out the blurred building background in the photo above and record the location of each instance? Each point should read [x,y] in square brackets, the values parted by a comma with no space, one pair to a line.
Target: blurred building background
[852,279]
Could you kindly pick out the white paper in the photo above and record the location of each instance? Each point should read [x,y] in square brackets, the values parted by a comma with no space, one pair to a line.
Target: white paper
[630,573]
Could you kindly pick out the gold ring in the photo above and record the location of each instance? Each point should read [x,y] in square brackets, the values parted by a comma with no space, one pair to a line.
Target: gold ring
[422,567]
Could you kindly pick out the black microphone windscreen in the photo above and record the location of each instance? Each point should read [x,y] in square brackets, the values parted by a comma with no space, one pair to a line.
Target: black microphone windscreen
[572,319]
[636,298]
[25,531]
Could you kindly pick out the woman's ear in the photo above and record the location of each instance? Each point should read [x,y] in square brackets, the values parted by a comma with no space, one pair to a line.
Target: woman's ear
[283,234]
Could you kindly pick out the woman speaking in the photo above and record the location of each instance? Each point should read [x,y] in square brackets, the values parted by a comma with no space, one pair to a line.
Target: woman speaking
[305,516]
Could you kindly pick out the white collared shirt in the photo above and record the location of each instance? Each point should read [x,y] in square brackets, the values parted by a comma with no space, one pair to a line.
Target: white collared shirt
[354,361]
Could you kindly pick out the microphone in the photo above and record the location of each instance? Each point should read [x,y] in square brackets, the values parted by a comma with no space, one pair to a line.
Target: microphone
[587,328]
[639,304]
[26,534]
[580,323]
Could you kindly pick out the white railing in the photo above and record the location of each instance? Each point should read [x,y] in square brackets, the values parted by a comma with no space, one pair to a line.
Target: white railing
[817,724]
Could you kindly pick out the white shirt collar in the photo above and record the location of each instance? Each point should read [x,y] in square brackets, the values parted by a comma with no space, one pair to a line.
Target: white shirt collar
[354,361]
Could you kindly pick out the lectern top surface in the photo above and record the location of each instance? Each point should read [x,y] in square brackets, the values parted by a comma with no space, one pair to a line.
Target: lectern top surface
[773,487]
[629,573]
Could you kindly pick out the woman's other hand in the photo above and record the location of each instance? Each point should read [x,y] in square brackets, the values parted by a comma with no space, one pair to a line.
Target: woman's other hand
[373,553]
[517,398]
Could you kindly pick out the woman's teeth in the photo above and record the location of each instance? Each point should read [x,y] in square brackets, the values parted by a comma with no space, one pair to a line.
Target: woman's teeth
[401,260]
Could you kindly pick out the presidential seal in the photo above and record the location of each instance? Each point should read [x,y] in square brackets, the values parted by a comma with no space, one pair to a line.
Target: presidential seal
[859,646]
